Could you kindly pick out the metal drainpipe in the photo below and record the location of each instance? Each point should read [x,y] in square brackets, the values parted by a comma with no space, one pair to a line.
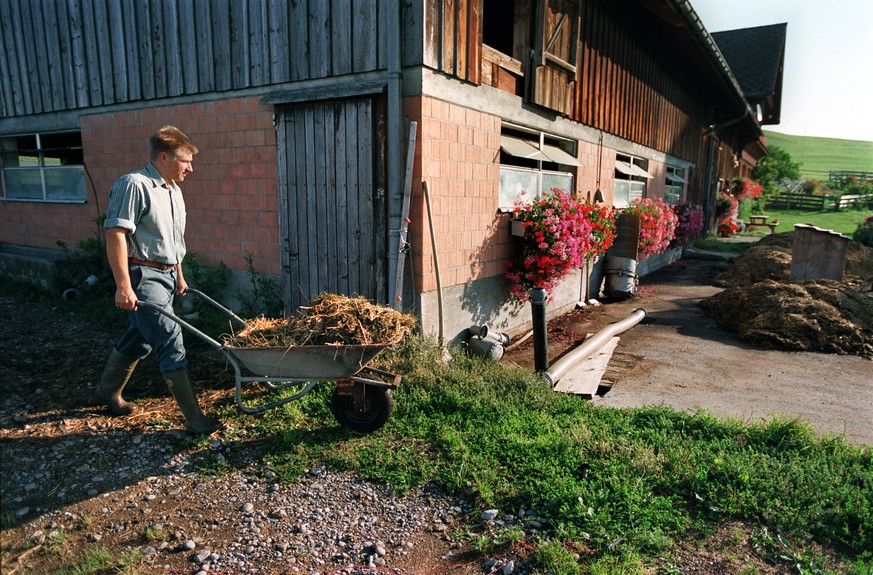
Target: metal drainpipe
[395,164]
[540,329]
[590,346]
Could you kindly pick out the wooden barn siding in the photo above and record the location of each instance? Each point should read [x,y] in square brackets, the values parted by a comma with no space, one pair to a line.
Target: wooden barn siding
[61,55]
[453,37]
[632,86]
[631,81]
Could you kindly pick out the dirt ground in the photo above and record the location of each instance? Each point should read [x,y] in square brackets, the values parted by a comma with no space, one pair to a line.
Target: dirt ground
[680,358]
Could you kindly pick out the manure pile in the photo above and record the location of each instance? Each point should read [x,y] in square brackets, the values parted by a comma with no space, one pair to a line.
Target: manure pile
[770,259]
[765,309]
[329,320]
[824,316]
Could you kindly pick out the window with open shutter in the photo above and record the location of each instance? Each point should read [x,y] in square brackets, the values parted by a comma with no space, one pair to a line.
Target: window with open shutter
[554,55]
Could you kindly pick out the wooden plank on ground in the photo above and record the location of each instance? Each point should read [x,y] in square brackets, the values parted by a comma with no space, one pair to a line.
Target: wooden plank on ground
[584,378]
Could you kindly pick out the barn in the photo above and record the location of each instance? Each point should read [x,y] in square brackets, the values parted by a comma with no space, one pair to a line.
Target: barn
[371,147]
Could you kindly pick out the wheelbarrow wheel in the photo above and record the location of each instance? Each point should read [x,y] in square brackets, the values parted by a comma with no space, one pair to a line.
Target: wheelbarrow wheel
[365,413]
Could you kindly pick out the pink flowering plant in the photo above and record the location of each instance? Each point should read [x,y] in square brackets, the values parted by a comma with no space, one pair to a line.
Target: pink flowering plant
[602,220]
[557,239]
[690,224]
[657,225]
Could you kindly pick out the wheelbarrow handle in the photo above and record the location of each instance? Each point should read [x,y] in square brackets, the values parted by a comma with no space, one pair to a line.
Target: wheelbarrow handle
[212,342]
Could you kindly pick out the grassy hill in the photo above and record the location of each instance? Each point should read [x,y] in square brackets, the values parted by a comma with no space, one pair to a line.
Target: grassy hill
[818,156]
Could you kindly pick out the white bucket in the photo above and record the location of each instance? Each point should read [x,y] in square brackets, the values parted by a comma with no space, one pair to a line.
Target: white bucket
[620,277]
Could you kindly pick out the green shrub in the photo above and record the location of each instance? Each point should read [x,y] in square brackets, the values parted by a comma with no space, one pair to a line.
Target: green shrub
[864,233]
[745,208]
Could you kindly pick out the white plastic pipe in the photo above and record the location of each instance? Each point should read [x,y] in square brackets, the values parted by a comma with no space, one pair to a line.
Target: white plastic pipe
[591,346]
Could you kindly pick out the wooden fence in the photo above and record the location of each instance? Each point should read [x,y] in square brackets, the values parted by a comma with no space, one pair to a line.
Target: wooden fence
[797,201]
[843,177]
[811,202]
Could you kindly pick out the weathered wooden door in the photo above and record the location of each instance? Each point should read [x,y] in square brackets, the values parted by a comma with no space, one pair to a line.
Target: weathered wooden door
[555,52]
[332,174]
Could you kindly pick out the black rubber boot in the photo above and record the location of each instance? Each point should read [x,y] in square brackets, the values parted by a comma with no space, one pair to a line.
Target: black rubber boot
[116,374]
[195,422]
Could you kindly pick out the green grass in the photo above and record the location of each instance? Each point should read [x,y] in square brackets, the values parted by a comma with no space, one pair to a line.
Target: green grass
[844,222]
[818,156]
[626,482]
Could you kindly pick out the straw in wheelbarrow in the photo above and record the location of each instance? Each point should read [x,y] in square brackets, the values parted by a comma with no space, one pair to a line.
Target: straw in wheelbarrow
[330,319]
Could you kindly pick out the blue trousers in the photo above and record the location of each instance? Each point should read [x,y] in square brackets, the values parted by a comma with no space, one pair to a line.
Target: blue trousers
[147,329]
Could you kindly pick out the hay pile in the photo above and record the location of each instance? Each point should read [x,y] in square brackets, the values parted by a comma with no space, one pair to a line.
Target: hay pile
[329,320]
[765,309]
[823,316]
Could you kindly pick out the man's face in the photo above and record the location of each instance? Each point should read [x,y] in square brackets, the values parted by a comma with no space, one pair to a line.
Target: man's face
[177,165]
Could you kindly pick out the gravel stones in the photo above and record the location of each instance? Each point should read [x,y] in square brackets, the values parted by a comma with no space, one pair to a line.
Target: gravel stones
[244,523]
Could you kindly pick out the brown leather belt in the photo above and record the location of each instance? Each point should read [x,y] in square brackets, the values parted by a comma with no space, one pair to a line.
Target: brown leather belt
[155,265]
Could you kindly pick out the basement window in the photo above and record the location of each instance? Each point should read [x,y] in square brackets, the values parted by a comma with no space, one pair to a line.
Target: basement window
[630,179]
[43,167]
[533,163]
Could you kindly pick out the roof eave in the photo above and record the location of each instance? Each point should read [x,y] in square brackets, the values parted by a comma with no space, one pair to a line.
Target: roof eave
[718,61]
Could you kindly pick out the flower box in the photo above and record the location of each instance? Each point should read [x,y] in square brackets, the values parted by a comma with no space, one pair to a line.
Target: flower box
[516,228]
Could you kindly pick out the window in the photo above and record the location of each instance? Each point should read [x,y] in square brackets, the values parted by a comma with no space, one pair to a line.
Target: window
[532,163]
[498,26]
[674,188]
[630,179]
[43,167]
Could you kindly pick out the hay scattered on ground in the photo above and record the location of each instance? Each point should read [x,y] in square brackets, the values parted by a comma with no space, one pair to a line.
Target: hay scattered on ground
[329,320]
[765,309]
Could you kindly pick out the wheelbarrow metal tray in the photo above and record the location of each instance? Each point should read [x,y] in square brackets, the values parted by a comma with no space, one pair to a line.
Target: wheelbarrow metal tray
[307,362]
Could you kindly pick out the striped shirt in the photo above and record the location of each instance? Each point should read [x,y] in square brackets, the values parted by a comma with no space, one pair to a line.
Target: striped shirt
[152,212]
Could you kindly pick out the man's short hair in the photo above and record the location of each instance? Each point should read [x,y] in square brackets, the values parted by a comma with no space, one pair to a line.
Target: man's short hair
[170,139]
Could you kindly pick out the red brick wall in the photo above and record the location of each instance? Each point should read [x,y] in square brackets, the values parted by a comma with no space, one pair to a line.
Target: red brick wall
[231,197]
[47,225]
[457,154]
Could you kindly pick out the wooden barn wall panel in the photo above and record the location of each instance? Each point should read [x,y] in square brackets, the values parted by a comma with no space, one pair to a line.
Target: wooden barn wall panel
[631,85]
[453,38]
[58,55]
[365,55]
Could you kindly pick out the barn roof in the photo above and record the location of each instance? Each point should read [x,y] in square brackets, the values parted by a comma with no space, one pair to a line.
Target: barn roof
[756,58]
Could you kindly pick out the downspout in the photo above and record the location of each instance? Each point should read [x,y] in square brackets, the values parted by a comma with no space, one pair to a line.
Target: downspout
[394,137]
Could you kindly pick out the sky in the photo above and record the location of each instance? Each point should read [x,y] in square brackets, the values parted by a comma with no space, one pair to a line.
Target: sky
[828,77]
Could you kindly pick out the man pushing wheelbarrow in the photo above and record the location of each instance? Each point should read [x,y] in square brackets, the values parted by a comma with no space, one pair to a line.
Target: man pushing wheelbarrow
[145,244]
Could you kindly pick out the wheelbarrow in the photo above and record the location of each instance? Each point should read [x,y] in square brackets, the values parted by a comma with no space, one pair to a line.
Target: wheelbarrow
[362,399]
